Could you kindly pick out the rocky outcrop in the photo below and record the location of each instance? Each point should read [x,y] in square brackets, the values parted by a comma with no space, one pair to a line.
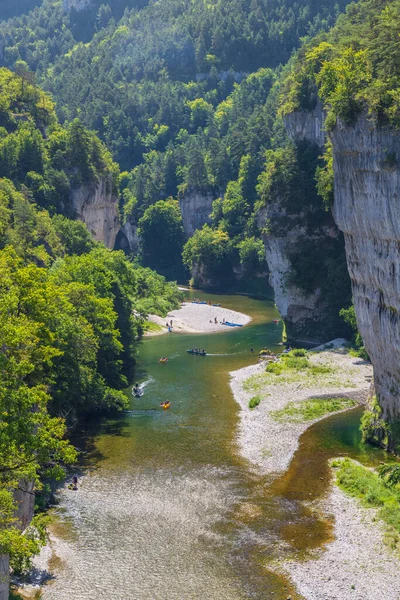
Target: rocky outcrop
[196,208]
[78,5]
[4,576]
[367,210]
[25,501]
[127,238]
[96,204]
[307,125]
[304,314]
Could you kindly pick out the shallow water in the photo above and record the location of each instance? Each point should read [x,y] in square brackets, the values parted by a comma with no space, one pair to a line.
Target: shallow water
[168,510]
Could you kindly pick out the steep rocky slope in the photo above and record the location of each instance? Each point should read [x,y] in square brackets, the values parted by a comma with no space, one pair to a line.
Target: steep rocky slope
[366,209]
[295,224]
[97,206]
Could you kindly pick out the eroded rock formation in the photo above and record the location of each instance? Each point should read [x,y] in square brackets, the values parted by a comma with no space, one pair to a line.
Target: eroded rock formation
[196,208]
[367,210]
[25,501]
[307,314]
[97,206]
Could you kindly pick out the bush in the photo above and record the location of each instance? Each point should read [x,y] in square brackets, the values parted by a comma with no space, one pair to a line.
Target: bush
[255,401]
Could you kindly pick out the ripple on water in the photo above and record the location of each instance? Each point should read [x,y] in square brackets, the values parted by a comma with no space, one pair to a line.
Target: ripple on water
[139,538]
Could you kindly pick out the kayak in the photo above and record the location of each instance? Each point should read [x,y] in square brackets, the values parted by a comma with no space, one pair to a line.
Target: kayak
[196,353]
[163,360]
[232,324]
[276,320]
[219,304]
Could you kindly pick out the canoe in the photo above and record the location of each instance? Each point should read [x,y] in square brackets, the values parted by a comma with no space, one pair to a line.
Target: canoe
[232,324]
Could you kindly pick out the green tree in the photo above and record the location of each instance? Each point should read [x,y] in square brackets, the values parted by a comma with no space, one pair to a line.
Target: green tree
[162,237]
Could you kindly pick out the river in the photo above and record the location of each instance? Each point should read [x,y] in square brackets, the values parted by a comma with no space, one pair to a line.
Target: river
[167,509]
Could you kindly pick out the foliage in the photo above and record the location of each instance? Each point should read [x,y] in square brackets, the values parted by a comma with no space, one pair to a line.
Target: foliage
[310,410]
[363,483]
[349,317]
[148,56]
[254,401]
[210,249]
[354,66]
[390,474]
[38,154]
[162,237]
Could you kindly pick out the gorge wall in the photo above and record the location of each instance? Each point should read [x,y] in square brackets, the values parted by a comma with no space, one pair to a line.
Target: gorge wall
[25,502]
[196,208]
[367,210]
[307,314]
[302,313]
[97,206]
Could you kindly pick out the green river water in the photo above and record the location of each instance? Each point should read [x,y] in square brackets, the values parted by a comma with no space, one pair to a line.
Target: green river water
[167,509]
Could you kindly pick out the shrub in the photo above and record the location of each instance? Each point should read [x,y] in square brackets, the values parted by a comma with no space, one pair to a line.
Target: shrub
[255,401]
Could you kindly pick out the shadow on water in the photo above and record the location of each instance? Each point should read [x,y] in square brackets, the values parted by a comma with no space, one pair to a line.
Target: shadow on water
[168,509]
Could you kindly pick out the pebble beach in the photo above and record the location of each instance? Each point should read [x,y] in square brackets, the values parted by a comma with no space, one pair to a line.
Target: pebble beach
[356,564]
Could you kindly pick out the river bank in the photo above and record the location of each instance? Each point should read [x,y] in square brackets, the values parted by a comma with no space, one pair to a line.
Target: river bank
[269,443]
[197,318]
[355,563]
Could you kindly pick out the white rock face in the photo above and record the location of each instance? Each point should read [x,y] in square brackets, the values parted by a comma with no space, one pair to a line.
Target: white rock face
[130,232]
[96,205]
[307,125]
[78,5]
[302,313]
[196,208]
[367,210]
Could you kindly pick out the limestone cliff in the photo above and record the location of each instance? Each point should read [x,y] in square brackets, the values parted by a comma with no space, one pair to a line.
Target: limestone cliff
[307,314]
[304,314]
[25,501]
[196,208]
[307,125]
[96,204]
[367,210]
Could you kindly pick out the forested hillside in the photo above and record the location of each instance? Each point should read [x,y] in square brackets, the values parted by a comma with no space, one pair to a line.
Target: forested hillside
[134,81]
[185,95]
[70,309]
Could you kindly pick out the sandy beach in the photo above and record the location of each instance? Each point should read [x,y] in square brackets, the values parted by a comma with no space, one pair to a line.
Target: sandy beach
[195,318]
[356,565]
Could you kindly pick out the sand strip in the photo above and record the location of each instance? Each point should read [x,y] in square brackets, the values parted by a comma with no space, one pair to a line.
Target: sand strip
[195,318]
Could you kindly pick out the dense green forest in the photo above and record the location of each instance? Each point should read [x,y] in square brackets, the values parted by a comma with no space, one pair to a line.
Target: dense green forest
[185,95]
[70,309]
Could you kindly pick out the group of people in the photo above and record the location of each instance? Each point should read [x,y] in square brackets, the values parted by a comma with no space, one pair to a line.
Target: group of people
[216,321]
[198,351]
